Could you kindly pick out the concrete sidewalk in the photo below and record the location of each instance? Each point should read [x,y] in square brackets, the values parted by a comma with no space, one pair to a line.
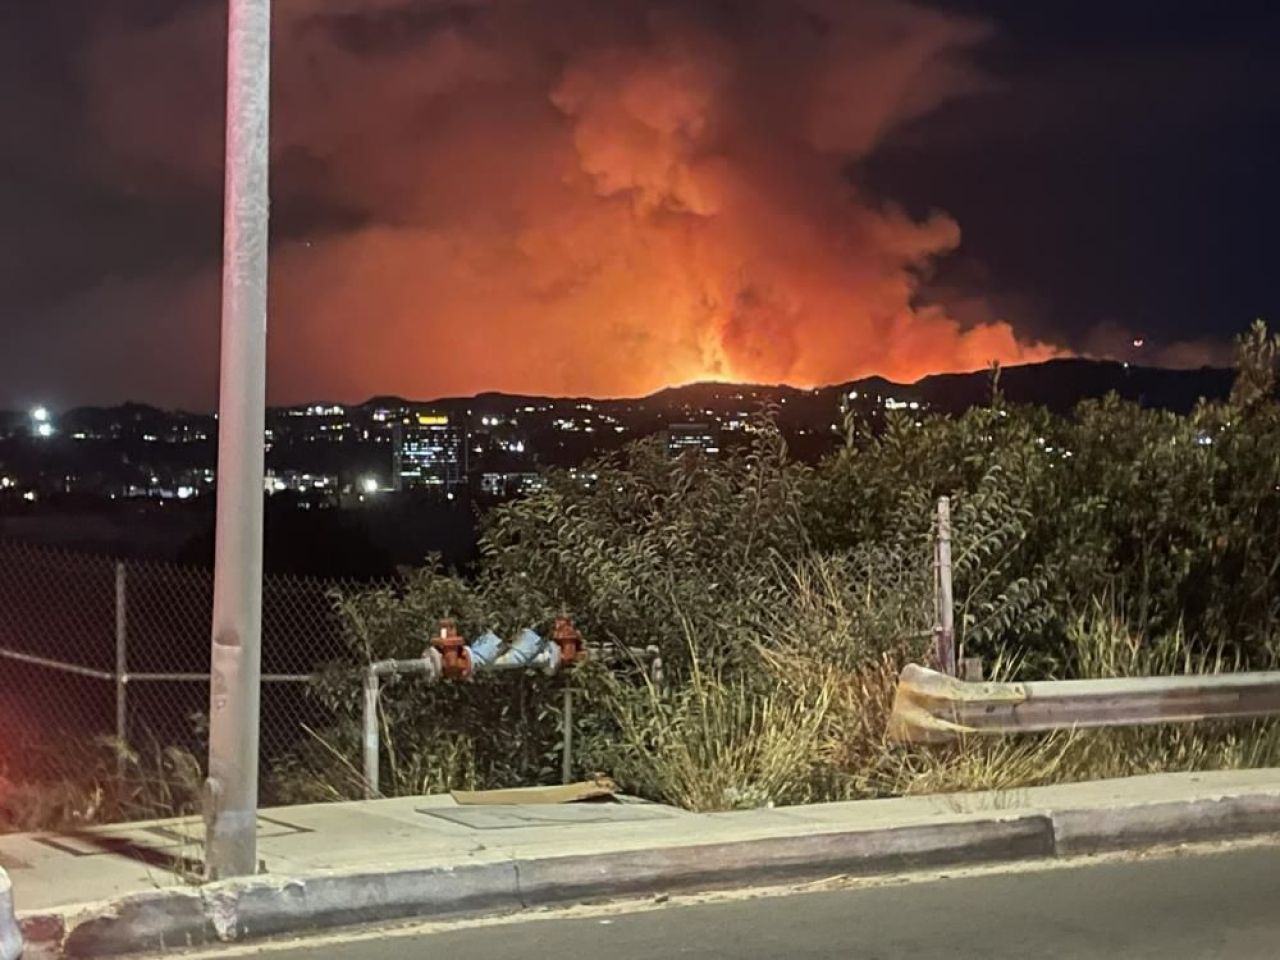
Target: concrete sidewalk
[123,889]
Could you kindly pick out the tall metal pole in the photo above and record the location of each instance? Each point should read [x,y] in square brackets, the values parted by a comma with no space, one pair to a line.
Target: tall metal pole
[231,802]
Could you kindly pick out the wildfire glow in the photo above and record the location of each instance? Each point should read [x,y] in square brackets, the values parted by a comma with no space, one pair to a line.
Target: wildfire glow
[579,197]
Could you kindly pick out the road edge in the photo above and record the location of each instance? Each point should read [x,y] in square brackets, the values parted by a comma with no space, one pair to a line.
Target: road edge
[241,910]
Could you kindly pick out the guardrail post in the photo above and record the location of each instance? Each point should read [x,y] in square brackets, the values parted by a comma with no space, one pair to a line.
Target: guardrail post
[122,664]
[944,641]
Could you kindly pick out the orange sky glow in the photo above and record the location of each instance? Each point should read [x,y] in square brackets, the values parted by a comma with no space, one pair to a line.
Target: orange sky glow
[576,198]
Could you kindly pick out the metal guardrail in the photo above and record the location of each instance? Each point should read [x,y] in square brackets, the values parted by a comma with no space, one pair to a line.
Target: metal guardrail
[931,707]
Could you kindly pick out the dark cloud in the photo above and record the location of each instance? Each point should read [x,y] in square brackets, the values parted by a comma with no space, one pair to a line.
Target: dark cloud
[1114,172]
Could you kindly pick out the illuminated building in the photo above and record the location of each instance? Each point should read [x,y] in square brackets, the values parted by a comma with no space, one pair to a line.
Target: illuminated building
[680,438]
[430,452]
[510,484]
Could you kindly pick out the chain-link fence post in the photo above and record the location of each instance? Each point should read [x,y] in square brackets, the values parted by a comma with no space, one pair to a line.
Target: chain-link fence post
[944,651]
[95,651]
[369,736]
[566,747]
[122,663]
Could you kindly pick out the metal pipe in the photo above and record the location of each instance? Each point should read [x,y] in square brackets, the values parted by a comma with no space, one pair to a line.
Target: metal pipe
[369,741]
[57,665]
[485,649]
[522,650]
[932,707]
[231,802]
[528,652]
[547,660]
[204,677]
[137,677]
[429,664]
[371,749]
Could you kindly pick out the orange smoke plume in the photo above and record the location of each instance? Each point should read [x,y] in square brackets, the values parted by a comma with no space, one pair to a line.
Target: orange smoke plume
[577,197]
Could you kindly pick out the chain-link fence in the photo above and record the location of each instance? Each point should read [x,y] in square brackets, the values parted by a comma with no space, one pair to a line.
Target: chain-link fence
[92,647]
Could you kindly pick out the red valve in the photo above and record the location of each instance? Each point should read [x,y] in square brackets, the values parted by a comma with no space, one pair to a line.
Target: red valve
[455,658]
[566,636]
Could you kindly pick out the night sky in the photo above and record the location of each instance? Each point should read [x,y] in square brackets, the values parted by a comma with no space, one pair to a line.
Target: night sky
[575,196]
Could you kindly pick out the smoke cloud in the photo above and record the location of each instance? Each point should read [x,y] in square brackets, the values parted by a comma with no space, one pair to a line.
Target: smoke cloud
[1114,341]
[570,196]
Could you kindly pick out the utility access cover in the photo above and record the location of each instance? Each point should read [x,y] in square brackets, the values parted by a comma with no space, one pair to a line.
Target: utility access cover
[495,817]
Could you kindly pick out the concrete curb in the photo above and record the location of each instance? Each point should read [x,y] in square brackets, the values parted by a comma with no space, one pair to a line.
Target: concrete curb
[236,910]
[10,938]
[783,859]
[1095,830]
[245,909]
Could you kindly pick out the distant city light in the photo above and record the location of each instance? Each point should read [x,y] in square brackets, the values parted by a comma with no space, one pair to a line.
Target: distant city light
[29,496]
[369,484]
[40,415]
[44,429]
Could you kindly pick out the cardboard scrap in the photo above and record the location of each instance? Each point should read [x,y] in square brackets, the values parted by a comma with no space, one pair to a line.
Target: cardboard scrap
[600,788]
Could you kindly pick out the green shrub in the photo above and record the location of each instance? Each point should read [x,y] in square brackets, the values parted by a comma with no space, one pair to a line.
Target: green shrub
[782,598]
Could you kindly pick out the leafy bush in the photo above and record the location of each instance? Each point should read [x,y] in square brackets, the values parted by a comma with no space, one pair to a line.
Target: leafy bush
[783,598]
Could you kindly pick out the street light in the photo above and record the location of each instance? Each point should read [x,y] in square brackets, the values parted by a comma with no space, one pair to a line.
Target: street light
[231,800]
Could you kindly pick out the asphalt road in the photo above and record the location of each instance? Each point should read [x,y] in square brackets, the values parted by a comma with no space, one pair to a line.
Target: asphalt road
[1220,906]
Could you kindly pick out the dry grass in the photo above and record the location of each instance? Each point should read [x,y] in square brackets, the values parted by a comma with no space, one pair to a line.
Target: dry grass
[1104,647]
[716,744]
[800,725]
[104,781]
